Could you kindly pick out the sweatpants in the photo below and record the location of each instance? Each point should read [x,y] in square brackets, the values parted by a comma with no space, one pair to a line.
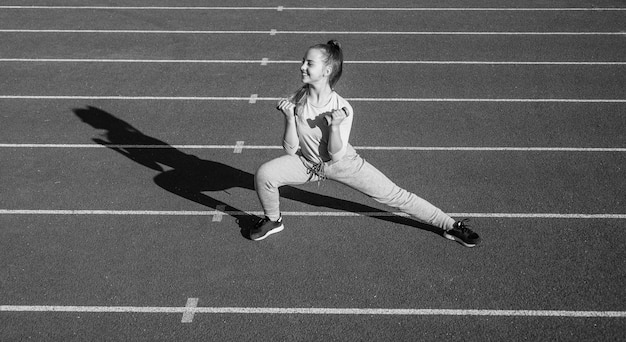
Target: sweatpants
[352,171]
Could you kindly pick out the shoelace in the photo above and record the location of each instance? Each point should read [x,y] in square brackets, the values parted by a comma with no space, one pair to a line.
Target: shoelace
[261,222]
[266,219]
[463,226]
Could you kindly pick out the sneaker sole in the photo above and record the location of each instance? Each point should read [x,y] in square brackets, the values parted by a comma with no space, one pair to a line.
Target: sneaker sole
[454,238]
[270,232]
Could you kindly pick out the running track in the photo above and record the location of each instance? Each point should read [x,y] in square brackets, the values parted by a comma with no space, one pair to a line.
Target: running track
[131,135]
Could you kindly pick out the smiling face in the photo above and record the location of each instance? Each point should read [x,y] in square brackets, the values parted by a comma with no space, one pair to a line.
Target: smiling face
[314,69]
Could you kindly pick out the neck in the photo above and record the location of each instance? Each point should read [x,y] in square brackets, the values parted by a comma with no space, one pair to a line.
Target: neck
[319,94]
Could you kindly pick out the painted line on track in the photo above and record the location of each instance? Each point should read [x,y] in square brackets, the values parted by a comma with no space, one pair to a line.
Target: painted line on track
[297,213]
[239,147]
[363,99]
[277,32]
[283,8]
[190,310]
[266,61]
[249,98]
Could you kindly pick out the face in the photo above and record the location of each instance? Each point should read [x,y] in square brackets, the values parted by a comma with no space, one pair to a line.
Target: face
[314,69]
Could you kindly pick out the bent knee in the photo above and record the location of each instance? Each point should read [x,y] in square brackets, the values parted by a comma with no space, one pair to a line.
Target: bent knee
[263,172]
[263,177]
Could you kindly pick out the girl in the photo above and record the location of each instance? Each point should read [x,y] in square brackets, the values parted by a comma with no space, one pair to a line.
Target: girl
[317,127]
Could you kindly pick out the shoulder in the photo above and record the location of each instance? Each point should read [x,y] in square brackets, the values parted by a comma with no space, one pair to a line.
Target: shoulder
[341,102]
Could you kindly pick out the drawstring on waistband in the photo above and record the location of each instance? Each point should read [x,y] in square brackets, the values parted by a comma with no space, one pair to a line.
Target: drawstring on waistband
[317,169]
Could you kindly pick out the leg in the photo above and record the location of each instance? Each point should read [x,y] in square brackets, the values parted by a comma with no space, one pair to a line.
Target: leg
[285,170]
[361,175]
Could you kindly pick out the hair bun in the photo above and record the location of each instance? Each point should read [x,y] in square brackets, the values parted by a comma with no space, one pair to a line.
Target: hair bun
[335,43]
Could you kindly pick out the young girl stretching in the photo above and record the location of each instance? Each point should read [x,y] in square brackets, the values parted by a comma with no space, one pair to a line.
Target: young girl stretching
[317,127]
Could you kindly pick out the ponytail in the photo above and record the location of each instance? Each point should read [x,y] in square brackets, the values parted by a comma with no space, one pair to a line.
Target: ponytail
[335,60]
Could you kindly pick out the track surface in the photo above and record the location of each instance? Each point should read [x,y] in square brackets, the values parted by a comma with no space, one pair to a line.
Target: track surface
[130,138]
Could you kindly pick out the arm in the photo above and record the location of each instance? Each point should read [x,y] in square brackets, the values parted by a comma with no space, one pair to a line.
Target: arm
[339,132]
[290,135]
[335,143]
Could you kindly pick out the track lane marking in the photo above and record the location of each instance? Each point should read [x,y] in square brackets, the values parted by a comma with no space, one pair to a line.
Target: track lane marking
[266,61]
[274,32]
[191,310]
[284,8]
[256,99]
[299,213]
[240,146]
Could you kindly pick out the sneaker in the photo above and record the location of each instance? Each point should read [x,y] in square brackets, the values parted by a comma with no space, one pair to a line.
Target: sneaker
[462,234]
[266,227]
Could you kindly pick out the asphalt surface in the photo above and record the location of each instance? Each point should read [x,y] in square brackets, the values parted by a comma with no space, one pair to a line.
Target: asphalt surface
[160,238]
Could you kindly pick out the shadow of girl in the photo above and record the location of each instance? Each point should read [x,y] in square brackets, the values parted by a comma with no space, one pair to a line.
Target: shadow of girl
[190,176]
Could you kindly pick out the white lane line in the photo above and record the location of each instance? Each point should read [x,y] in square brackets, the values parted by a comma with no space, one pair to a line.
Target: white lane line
[130,98]
[96,60]
[256,99]
[456,33]
[283,8]
[314,311]
[168,8]
[460,9]
[485,100]
[469,148]
[192,304]
[265,61]
[273,32]
[191,147]
[135,31]
[484,62]
[239,147]
[299,213]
